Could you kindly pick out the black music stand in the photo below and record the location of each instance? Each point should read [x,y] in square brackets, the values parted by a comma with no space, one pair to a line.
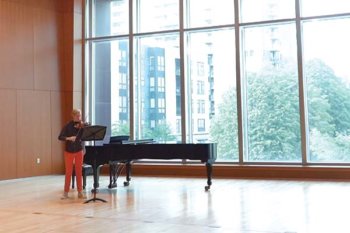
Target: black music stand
[94,133]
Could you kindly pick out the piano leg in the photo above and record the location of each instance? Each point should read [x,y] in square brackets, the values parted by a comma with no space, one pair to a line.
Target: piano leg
[128,173]
[113,168]
[209,174]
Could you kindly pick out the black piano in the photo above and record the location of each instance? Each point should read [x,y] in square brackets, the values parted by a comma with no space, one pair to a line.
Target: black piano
[128,151]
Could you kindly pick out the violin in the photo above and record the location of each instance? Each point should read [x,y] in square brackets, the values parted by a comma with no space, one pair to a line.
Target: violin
[80,124]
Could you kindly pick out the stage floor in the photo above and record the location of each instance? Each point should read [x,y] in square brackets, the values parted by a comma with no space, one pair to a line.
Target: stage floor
[177,205]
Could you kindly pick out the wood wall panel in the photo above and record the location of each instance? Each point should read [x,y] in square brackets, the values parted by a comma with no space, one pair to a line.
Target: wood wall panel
[16,46]
[69,6]
[60,114]
[8,134]
[53,5]
[33,133]
[36,83]
[77,53]
[48,50]
[68,51]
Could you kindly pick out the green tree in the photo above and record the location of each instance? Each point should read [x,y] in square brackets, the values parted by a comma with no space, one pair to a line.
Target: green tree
[321,78]
[161,133]
[120,129]
[223,129]
[326,148]
[329,113]
[273,115]
[273,120]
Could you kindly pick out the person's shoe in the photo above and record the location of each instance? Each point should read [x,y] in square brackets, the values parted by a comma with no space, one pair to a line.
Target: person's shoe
[64,196]
[81,195]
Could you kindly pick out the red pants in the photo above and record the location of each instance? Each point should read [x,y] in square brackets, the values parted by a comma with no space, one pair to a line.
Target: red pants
[76,159]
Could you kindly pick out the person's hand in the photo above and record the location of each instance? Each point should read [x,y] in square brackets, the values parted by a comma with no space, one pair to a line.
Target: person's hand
[72,138]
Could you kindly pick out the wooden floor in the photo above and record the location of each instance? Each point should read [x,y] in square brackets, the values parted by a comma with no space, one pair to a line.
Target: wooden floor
[180,205]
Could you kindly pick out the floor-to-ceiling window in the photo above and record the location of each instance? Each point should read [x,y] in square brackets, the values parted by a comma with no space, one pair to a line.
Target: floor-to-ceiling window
[211,95]
[271,79]
[269,71]
[155,88]
[327,74]
[267,80]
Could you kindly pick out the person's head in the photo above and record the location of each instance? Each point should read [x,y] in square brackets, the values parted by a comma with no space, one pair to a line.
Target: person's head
[76,114]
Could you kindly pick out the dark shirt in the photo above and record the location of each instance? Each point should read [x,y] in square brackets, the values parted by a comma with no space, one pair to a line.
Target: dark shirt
[70,130]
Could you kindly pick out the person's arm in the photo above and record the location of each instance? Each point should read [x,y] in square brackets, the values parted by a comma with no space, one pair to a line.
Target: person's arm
[64,135]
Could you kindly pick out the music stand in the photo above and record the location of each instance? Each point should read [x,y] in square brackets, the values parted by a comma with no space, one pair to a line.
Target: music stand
[94,133]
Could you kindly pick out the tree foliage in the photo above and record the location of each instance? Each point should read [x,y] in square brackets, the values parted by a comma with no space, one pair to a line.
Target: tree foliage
[120,129]
[224,127]
[161,133]
[329,113]
[273,120]
[273,115]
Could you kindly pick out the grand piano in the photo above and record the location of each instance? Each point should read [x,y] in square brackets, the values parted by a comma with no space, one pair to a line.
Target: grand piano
[128,151]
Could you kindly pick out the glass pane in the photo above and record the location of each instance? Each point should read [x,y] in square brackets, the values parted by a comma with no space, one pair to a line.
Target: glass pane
[322,7]
[157,15]
[120,99]
[212,91]
[110,17]
[272,111]
[208,13]
[157,89]
[110,86]
[262,10]
[326,61]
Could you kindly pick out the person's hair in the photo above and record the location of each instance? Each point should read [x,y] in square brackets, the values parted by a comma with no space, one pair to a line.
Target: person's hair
[76,112]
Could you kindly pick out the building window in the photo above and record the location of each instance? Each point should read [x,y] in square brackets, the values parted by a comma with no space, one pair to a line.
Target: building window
[161,84]
[152,63]
[201,125]
[123,104]
[161,63]
[151,84]
[123,81]
[200,87]
[200,69]
[152,103]
[161,105]
[153,123]
[201,106]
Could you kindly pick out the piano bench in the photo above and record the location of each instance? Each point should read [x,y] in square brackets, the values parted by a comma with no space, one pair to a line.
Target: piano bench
[86,170]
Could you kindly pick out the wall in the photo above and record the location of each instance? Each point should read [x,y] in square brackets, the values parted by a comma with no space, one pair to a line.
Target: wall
[40,80]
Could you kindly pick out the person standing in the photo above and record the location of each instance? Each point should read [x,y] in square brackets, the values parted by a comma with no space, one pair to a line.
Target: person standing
[73,152]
